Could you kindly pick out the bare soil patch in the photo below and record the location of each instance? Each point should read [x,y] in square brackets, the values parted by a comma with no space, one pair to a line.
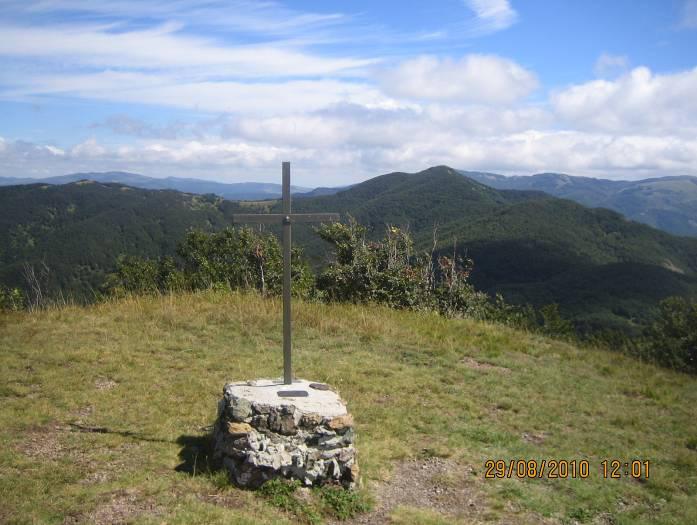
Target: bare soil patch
[536,438]
[103,383]
[118,507]
[437,484]
[43,442]
[472,363]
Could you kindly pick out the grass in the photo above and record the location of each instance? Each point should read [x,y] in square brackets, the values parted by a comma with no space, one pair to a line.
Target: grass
[104,412]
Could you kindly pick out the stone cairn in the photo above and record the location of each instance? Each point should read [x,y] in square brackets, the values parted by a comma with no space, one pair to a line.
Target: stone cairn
[260,435]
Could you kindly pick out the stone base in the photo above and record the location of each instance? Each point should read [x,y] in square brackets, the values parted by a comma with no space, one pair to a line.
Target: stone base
[260,435]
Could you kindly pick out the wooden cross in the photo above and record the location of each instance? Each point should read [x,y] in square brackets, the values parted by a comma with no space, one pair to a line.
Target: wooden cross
[286,219]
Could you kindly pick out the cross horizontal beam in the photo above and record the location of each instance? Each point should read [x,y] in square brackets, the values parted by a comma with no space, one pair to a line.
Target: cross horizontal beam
[280,218]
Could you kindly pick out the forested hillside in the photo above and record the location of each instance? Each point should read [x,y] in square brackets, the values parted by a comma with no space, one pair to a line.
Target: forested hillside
[71,235]
[603,270]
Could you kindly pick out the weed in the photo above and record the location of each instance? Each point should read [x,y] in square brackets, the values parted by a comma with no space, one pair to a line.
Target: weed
[344,504]
[281,493]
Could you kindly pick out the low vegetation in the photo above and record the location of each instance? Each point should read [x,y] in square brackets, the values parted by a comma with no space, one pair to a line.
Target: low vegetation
[105,415]
[389,272]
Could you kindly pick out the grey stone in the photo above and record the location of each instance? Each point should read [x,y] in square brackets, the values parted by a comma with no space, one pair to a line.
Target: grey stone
[308,439]
[311,420]
[260,408]
[241,409]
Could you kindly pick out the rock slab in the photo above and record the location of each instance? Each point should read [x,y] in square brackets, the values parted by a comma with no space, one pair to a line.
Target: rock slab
[260,435]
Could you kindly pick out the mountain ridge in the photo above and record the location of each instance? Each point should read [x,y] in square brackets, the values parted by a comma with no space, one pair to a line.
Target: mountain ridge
[232,191]
[667,203]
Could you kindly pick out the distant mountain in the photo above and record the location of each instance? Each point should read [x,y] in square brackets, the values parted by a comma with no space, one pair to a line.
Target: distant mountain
[232,191]
[318,192]
[604,270]
[667,203]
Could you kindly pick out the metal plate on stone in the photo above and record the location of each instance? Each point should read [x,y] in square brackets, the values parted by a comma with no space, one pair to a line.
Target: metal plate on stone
[319,386]
[292,393]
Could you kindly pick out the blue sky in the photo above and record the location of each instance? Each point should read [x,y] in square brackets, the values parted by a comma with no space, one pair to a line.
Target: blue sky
[226,90]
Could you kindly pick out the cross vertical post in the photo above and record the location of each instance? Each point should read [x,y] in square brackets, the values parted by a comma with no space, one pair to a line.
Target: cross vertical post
[286,219]
[287,365]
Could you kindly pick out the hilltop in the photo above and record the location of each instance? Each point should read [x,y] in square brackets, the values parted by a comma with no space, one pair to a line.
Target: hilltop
[603,270]
[105,409]
[666,203]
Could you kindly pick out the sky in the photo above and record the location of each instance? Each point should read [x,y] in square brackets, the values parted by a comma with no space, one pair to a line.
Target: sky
[226,90]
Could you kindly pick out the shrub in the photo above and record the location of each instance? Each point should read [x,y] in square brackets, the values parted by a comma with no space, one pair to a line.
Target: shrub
[554,324]
[229,259]
[671,340]
[392,273]
[11,299]
[344,504]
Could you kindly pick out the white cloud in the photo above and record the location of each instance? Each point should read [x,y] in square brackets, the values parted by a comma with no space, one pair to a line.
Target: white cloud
[473,78]
[203,95]
[349,143]
[492,15]
[166,46]
[88,149]
[609,65]
[266,16]
[639,102]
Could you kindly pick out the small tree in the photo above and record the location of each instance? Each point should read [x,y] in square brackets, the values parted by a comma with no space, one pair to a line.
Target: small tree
[554,324]
[11,299]
[383,272]
[672,338]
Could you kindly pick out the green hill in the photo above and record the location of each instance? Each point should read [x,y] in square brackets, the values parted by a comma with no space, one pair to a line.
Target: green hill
[529,246]
[603,270]
[79,229]
[104,411]
[667,203]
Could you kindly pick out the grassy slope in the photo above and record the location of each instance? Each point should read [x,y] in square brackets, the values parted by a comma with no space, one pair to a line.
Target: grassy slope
[145,373]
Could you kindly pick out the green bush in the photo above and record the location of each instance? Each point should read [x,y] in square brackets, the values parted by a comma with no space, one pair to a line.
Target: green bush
[230,259]
[11,299]
[390,272]
[387,272]
[382,272]
[554,324]
[344,504]
[671,340]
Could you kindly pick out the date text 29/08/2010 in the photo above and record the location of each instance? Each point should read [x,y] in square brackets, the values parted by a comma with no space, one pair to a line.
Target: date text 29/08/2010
[564,469]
